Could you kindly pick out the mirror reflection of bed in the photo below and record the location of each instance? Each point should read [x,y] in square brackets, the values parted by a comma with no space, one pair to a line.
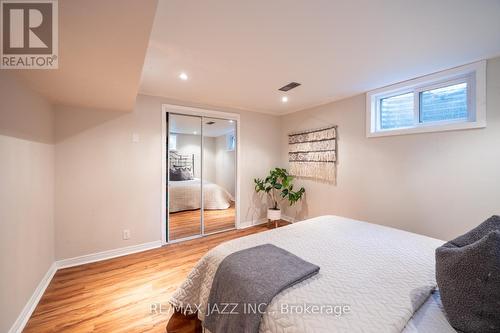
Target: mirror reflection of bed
[188,166]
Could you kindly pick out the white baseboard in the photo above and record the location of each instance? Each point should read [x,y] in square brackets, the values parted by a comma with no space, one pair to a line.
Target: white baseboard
[252,223]
[263,220]
[110,254]
[30,306]
[28,309]
[288,218]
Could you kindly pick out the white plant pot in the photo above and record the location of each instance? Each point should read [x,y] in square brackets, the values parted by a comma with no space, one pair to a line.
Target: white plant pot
[274,214]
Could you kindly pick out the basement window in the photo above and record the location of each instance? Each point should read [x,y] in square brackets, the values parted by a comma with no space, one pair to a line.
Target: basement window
[450,100]
[230,141]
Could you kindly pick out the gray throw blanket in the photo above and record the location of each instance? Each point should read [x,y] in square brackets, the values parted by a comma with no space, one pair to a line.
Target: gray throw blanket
[468,276]
[245,283]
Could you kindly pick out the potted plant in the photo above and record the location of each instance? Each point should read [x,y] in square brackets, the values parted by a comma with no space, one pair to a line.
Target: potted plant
[278,186]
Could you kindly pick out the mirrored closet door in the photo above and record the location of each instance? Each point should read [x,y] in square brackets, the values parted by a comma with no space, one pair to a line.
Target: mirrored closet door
[184,177]
[219,170]
[201,180]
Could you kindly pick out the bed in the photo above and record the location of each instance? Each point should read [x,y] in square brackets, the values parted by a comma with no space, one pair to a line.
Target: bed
[186,195]
[386,276]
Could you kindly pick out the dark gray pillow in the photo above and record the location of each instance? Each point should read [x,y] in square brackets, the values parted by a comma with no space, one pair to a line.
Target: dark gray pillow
[179,174]
[468,276]
[186,174]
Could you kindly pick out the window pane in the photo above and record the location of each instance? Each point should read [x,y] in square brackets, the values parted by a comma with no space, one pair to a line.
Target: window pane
[396,111]
[447,103]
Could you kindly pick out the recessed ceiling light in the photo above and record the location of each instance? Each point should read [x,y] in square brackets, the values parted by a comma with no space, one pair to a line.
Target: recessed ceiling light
[195,132]
[183,76]
[284,99]
[231,121]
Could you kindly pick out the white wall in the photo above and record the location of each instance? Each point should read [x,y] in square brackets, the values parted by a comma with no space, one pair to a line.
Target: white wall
[188,144]
[225,165]
[106,183]
[26,195]
[209,153]
[437,184]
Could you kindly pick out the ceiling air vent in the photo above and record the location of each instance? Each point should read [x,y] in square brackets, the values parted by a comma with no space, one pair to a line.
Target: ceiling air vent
[289,86]
[210,122]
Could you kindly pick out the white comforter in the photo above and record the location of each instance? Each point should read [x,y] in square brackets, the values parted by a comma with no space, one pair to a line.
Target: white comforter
[430,318]
[383,274]
[185,195]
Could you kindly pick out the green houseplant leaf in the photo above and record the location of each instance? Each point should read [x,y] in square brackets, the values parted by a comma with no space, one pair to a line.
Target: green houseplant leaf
[278,185]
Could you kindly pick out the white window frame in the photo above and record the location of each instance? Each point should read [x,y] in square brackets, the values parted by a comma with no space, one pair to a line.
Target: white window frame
[473,74]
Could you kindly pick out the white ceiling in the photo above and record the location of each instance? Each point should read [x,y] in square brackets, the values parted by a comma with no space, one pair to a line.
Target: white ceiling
[238,53]
[102,45]
[192,125]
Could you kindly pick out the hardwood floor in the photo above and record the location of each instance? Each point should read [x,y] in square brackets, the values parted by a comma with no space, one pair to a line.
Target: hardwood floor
[121,294]
[187,223]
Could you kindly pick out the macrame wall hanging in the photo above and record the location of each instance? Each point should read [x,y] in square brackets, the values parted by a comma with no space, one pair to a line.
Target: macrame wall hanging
[313,153]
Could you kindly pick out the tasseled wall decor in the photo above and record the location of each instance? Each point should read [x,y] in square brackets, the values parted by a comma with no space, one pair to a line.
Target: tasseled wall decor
[313,153]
